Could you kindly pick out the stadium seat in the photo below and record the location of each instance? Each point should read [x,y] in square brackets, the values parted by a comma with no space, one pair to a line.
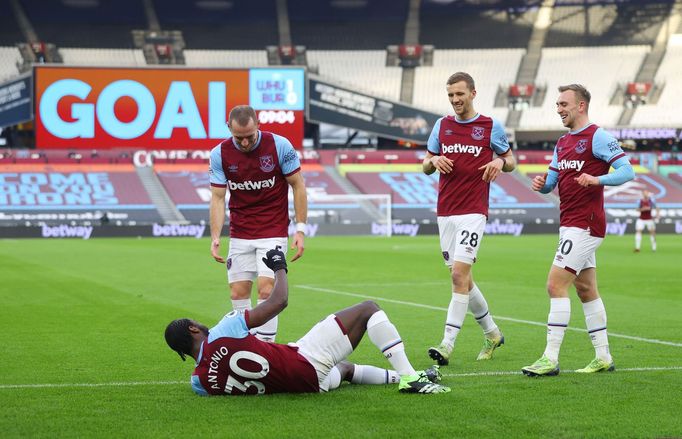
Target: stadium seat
[79,56]
[600,69]
[490,68]
[9,57]
[355,69]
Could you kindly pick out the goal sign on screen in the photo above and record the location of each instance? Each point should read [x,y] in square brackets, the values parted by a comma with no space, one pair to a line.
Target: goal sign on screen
[161,108]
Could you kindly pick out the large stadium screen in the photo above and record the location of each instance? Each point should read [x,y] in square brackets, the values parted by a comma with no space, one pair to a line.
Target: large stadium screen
[161,108]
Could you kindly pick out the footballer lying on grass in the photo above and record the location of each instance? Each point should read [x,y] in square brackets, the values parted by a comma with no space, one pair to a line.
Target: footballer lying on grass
[231,361]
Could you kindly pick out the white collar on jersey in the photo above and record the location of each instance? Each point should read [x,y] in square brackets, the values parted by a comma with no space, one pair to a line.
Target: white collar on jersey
[476,116]
[201,353]
[581,129]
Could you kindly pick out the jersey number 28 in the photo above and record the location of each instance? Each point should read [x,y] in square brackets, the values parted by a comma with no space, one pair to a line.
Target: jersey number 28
[469,238]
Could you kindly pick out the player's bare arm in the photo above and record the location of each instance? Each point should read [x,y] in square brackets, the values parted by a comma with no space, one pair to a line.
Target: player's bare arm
[539,182]
[217,219]
[297,184]
[433,163]
[501,163]
[279,296]
[586,180]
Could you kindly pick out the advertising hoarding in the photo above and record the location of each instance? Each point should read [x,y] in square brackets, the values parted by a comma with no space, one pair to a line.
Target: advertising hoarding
[329,103]
[15,101]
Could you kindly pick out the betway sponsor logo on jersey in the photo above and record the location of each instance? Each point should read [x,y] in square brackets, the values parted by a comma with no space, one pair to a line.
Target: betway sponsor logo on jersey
[458,148]
[571,164]
[251,185]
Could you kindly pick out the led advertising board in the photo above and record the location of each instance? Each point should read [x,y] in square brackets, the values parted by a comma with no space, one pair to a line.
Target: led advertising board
[161,108]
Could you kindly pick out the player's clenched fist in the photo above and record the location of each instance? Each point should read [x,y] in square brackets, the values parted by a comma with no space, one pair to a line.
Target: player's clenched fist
[275,260]
[539,182]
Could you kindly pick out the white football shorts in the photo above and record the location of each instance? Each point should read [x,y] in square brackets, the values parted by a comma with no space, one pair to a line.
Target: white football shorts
[641,223]
[577,249]
[460,237]
[325,346]
[244,258]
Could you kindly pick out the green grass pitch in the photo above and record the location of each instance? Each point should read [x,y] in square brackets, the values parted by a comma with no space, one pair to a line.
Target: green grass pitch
[84,354]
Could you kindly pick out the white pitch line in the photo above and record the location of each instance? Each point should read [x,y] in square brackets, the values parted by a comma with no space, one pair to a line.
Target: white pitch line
[444,283]
[173,383]
[509,319]
[511,372]
[114,384]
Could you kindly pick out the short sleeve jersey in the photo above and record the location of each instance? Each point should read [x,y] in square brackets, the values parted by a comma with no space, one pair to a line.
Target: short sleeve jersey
[256,181]
[590,150]
[234,362]
[469,144]
[646,206]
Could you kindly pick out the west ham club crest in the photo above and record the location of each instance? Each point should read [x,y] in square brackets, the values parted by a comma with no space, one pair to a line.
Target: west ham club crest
[477,133]
[267,164]
[581,146]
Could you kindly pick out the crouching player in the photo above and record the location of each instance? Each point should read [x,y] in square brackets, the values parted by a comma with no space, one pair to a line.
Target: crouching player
[231,361]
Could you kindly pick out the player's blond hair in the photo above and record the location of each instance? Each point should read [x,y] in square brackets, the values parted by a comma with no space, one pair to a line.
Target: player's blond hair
[580,91]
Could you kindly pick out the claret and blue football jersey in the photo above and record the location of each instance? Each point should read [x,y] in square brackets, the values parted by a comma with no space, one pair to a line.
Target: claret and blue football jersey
[590,150]
[256,181]
[469,144]
[234,362]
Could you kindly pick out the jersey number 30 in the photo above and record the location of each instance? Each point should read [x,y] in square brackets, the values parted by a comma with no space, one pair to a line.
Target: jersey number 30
[232,383]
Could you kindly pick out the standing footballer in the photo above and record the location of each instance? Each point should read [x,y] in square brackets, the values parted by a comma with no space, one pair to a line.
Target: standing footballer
[581,163]
[469,150]
[647,206]
[257,167]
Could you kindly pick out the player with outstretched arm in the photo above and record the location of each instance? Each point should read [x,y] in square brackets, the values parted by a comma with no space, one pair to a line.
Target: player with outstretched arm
[231,361]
